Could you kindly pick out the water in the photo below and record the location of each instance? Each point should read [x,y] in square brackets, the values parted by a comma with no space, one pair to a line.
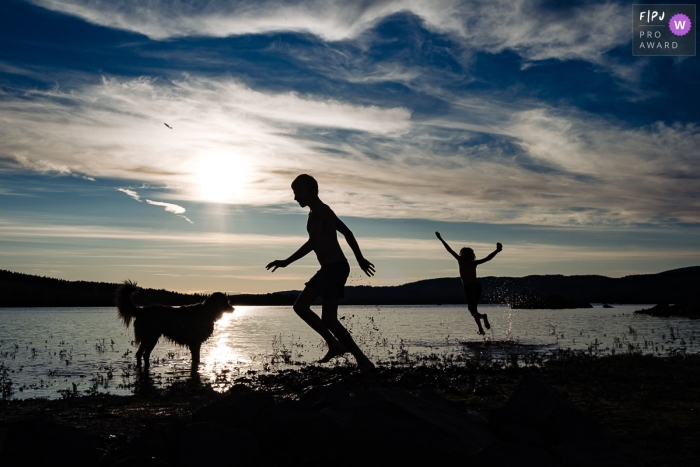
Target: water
[57,352]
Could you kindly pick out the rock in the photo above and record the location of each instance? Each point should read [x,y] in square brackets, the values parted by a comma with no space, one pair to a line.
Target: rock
[238,411]
[536,405]
[605,305]
[145,448]
[483,390]
[688,310]
[40,442]
[436,397]
[510,454]
[537,415]
[215,444]
[328,395]
[586,453]
[381,425]
[515,432]
[279,419]
[155,441]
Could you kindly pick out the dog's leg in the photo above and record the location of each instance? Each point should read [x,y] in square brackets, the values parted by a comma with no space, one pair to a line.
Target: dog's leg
[147,352]
[139,354]
[194,348]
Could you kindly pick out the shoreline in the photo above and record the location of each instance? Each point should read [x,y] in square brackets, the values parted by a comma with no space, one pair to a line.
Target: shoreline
[646,406]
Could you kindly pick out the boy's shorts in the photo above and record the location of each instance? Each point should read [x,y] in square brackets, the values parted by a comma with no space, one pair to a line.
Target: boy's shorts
[330,280]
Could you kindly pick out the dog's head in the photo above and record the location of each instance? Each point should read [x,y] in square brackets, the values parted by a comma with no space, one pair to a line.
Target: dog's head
[217,303]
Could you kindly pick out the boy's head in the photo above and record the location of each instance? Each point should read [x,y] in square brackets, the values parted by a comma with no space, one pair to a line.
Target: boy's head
[467,253]
[305,189]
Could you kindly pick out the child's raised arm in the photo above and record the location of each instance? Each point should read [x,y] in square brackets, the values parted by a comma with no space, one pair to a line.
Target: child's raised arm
[447,247]
[499,247]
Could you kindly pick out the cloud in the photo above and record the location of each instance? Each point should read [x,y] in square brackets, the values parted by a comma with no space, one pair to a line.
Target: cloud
[536,30]
[131,193]
[16,230]
[114,129]
[479,159]
[189,252]
[169,207]
[47,167]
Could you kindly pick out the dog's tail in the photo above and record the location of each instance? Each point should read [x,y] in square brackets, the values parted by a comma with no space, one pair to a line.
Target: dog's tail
[125,306]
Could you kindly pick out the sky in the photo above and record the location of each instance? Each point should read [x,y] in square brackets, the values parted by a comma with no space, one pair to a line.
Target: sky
[523,122]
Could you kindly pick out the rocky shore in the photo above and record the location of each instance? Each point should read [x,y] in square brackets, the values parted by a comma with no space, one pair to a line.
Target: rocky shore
[573,410]
[687,310]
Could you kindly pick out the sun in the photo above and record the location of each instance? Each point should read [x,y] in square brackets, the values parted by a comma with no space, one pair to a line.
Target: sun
[221,177]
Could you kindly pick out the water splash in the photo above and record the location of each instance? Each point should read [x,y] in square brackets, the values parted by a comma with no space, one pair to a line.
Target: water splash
[508,324]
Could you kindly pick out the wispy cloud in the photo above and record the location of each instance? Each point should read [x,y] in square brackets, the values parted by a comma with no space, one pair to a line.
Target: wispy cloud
[534,29]
[197,256]
[480,160]
[38,231]
[169,207]
[130,193]
[48,167]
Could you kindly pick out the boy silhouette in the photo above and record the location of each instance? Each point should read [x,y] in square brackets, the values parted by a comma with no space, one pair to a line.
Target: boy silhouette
[467,272]
[329,281]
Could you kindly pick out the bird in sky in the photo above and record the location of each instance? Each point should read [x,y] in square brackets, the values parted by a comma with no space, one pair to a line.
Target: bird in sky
[168,126]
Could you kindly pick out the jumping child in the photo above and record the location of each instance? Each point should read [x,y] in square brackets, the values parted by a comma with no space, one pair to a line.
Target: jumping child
[467,271]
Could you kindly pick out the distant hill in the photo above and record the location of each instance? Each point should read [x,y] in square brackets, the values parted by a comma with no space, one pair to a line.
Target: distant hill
[676,286]
[22,290]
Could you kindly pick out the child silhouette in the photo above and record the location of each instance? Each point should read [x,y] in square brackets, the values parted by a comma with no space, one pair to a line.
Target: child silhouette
[329,282]
[467,272]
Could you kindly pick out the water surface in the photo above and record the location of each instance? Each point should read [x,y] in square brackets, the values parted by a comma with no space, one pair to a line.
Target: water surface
[56,352]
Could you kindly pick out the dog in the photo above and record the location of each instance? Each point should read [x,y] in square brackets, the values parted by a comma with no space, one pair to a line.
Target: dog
[188,326]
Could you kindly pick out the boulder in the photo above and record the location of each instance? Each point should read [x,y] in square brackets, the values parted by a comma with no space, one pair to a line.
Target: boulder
[40,442]
[381,425]
[146,448]
[587,453]
[324,396]
[240,411]
[510,454]
[433,395]
[537,406]
[156,441]
[215,444]
[538,416]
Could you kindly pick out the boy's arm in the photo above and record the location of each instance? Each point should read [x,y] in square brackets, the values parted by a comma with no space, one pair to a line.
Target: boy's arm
[305,249]
[447,247]
[499,247]
[365,265]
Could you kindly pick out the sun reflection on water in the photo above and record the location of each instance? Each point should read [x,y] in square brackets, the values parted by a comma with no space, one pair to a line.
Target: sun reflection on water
[221,353]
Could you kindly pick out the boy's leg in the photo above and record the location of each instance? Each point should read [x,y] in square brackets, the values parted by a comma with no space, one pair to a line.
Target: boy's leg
[477,297]
[477,317]
[472,300]
[486,320]
[302,307]
[330,319]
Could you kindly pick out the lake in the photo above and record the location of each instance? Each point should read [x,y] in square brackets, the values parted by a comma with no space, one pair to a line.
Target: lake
[58,352]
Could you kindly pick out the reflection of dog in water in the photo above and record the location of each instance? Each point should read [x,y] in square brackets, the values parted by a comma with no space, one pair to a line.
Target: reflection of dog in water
[188,326]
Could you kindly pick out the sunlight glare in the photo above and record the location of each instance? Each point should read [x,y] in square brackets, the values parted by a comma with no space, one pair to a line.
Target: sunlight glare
[221,353]
[221,177]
